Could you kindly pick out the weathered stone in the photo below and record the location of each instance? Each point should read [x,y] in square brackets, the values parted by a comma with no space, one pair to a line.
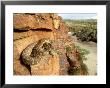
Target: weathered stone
[21,22]
[56,23]
[20,35]
[27,21]
[64,65]
[47,66]
[20,69]
[23,43]
[44,21]
[31,27]
[55,16]
[16,54]
[45,34]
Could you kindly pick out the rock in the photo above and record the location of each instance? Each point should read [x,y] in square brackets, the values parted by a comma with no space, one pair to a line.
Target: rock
[31,27]
[56,23]
[55,16]
[23,22]
[73,61]
[44,21]
[47,66]
[64,65]
[45,34]
[23,43]
[20,35]
[16,54]
[27,22]
[56,20]
[20,69]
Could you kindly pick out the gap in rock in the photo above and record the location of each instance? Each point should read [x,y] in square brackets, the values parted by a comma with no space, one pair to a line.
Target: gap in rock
[42,29]
[17,30]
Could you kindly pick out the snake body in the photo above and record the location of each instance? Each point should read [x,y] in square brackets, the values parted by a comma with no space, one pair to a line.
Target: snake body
[34,52]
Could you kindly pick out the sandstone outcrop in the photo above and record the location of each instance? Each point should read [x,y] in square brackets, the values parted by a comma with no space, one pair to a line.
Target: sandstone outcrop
[36,21]
[31,27]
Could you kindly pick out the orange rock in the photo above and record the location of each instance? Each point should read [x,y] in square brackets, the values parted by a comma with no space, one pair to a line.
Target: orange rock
[27,21]
[23,43]
[31,27]
[20,69]
[20,35]
[20,21]
[47,66]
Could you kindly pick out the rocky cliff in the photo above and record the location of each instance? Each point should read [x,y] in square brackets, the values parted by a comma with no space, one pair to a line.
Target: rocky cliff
[32,27]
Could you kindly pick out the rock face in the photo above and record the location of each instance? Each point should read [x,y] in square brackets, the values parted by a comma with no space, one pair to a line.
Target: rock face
[31,27]
[48,66]
[36,21]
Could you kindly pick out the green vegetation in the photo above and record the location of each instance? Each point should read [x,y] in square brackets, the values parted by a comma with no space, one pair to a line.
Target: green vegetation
[81,56]
[84,30]
[70,48]
[82,52]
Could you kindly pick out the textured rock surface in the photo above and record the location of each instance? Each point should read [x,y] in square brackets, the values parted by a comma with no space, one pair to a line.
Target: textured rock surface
[47,66]
[23,22]
[23,43]
[20,35]
[31,27]
[20,69]
[37,21]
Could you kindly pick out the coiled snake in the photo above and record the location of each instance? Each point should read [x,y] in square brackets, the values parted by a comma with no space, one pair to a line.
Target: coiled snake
[34,52]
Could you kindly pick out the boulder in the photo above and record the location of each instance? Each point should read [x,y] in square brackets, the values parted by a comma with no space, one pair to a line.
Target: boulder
[47,66]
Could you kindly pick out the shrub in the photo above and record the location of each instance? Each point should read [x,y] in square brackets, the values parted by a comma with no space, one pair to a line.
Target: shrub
[81,56]
[82,53]
[84,30]
[69,49]
[86,34]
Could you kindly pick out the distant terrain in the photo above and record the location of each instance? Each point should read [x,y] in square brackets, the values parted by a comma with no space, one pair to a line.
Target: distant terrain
[84,32]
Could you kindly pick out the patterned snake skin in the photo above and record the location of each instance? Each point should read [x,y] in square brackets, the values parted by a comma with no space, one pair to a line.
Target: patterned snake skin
[34,52]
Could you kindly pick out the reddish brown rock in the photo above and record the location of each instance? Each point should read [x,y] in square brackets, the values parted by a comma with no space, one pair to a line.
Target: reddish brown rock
[44,21]
[23,43]
[20,69]
[27,21]
[31,27]
[47,66]
[20,35]
[16,54]
[45,34]
[64,65]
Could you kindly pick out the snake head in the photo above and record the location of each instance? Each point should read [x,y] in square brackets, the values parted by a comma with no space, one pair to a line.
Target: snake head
[43,45]
[47,45]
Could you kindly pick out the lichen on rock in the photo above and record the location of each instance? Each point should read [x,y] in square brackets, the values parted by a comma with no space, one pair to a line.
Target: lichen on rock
[29,28]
